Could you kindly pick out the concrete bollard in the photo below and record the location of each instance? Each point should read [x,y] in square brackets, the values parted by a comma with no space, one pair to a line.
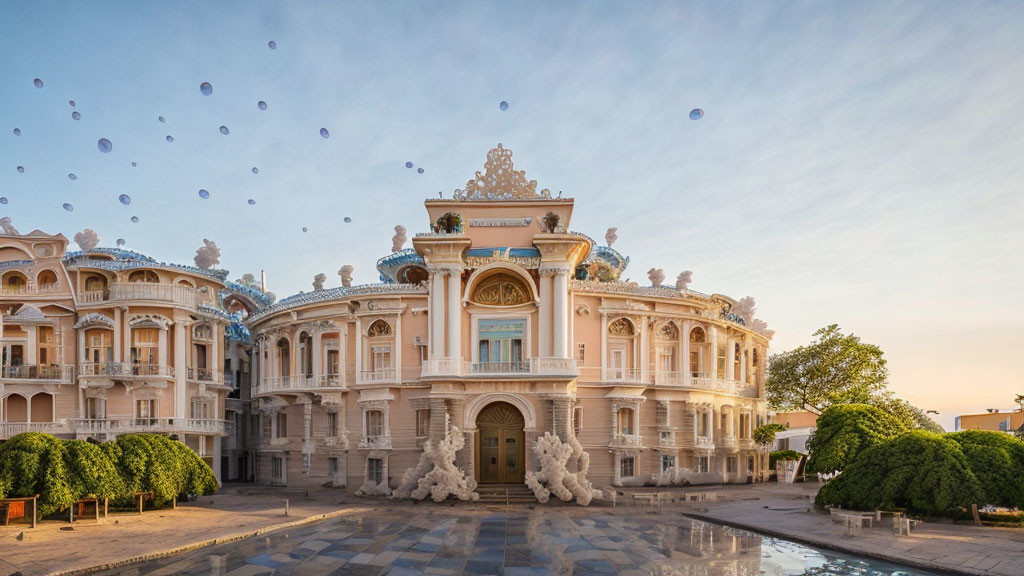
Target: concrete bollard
[285,506]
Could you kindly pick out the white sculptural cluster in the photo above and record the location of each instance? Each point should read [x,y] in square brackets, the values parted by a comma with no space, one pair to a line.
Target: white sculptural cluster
[656,276]
[436,474]
[684,279]
[208,255]
[318,281]
[398,240]
[746,308]
[87,239]
[610,236]
[346,275]
[554,476]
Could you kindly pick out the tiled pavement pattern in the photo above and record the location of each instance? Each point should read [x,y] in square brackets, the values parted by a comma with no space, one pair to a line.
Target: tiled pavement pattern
[515,541]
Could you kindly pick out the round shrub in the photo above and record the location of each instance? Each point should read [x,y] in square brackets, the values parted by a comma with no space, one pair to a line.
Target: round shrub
[168,468]
[33,463]
[844,430]
[923,472]
[997,460]
[91,471]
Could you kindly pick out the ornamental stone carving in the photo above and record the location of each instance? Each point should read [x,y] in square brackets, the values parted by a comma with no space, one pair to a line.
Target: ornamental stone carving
[378,328]
[501,290]
[500,181]
[621,327]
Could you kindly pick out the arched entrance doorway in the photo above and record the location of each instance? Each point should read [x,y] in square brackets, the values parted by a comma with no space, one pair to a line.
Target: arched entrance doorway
[501,449]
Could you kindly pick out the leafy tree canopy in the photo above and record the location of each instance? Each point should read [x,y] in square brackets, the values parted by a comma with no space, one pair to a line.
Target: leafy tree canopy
[765,434]
[844,430]
[923,472]
[778,455]
[997,459]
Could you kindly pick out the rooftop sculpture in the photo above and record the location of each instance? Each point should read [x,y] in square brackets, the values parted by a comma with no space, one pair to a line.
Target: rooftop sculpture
[500,181]
[87,239]
[207,255]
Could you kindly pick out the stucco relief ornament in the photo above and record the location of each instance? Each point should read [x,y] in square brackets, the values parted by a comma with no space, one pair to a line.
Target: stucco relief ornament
[208,255]
[87,239]
[436,474]
[684,279]
[656,276]
[346,275]
[500,291]
[554,476]
[610,236]
[398,240]
[500,181]
[318,281]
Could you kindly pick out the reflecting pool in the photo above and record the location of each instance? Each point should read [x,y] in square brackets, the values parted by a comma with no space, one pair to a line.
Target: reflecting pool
[547,540]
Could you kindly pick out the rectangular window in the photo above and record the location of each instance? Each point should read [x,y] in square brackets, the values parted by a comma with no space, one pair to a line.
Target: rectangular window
[200,409]
[667,462]
[702,464]
[626,421]
[95,408]
[626,467]
[332,424]
[281,430]
[332,362]
[332,466]
[381,358]
[577,420]
[581,352]
[374,423]
[500,340]
[618,363]
[516,352]
[730,465]
[423,423]
[375,470]
[145,411]
[276,468]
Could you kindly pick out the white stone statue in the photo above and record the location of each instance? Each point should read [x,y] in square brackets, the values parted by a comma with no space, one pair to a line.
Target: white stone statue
[656,276]
[7,227]
[247,280]
[87,239]
[554,476]
[745,308]
[610,236]
[436,474]
[208,255]
[346,275]
[318,281]
[398,240]
[684,279]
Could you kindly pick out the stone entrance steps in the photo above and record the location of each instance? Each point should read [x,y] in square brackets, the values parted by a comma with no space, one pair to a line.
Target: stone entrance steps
[505,494]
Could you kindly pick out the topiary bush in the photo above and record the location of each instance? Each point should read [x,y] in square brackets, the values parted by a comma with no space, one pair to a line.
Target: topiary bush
[923,472]
[91,471]
[168,468]
[844,430]
[782,455]
[997,460]
[33,463]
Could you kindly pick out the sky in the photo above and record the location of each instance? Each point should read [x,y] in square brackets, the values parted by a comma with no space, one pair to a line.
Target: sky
[857,163]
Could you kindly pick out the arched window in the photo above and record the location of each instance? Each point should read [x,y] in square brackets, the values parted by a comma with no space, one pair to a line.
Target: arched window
[47,280]
[621,327]
[95,283]
[627,426]
[700,354]
[305,355]
[378,328]
[501,290]
[668,331]
[284,355]
[14,283]
[622,351]
[697,335]
[147,276]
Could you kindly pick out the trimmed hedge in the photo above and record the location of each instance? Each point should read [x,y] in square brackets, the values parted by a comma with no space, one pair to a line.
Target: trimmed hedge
[782,455]
[62,471]
[844,430]
[920,471]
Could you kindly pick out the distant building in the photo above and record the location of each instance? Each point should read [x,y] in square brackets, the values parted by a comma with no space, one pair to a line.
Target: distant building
[802,424]
[993,419]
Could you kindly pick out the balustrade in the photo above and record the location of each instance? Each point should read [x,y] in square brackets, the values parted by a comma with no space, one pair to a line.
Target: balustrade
[52,373]
[121,292]
[531,366]
[8,429]
[378,442]
[627,375]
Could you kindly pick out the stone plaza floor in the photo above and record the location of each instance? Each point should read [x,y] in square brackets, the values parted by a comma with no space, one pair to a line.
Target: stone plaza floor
[514,541]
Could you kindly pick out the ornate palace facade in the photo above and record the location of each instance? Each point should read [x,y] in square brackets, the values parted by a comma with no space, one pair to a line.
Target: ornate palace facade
[504,323]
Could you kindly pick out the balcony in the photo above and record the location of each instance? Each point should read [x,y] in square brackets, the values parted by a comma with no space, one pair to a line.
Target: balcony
[441,367]
[122,425]
[8,429]
[704,381]
[278,384]
[30,289]
[727,442]
[626,441]
[623,375]
[206,375]
[381,442]
[54,373]
[696,442]
[118,370]
[375,376]
[124,292]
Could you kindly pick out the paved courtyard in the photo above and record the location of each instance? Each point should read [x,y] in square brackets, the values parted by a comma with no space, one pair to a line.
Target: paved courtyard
[430,539]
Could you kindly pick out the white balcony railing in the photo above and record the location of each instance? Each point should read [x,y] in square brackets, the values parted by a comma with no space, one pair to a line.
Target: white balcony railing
[626,441]
[702,381]
[122,292]
[725,441]
[205,375]
[30,289]
[8,429]
[300,383]
[53,373]
[628,375]
[125,425]
[373,376]
[530,367]
[701,442]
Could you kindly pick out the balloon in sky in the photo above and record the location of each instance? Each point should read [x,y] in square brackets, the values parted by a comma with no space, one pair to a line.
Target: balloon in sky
[206,88]
[696,114]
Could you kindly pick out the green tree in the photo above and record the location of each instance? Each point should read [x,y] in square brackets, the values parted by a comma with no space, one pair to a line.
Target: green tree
[845,430]
[765,434]
[835,368]
[168,468]
[33,463]
[997,459]
[778,455]
[91,471]
[924,472]
[911,416]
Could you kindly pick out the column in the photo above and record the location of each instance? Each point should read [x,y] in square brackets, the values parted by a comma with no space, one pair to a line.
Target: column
[438,417]
[714,353]
[33,345]
[397,357]
[81,347]
[645,353]
[544,315]
[180,372]
[685,360]
[317,352]
[604,344]
[359,348]
[730,359]
[561,316]
[216,363]
[162,351]
[455,314]
[711,424]
[293,357]
[116,344]
[617,470]
[561,425]
[437,315]
[744,358]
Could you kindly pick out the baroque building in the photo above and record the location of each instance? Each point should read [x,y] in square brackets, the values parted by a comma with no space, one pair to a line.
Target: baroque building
[504,323]
[104,342]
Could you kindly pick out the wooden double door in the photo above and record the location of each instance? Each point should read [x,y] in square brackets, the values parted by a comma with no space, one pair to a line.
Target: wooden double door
[501,446]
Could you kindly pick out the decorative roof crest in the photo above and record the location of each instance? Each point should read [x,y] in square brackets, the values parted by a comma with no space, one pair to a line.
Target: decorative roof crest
[500,181]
